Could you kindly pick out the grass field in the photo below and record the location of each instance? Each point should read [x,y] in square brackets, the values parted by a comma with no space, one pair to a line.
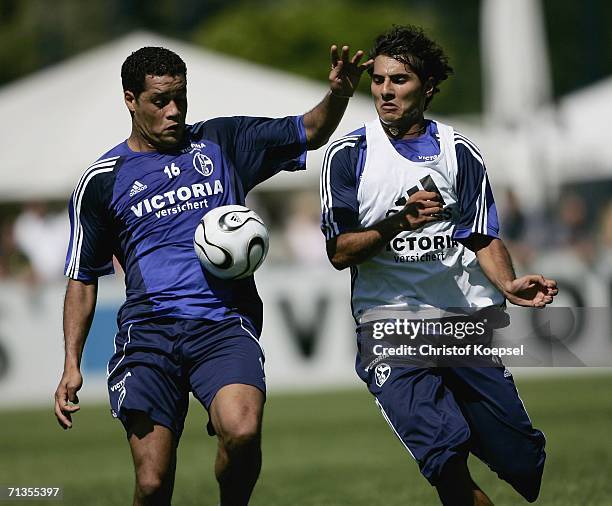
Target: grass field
[319,449]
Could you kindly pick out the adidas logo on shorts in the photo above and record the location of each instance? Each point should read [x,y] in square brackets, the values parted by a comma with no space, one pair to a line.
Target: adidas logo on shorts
[137,188]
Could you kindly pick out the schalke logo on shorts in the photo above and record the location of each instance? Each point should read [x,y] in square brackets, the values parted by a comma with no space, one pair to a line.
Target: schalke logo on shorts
[203,164]
[382,373]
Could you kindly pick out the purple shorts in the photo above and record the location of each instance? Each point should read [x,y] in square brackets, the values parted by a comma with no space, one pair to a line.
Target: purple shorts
[157,363]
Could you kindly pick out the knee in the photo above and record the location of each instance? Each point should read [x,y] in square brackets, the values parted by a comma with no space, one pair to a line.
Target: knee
[149,484]
[236,414]
[240,435]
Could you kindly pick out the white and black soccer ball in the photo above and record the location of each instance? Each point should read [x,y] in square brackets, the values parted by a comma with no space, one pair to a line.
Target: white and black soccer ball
[231,241]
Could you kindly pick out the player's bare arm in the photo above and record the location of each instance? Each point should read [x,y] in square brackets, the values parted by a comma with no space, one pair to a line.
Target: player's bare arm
[532,290]
[79,307]
[344,77]
[355,247]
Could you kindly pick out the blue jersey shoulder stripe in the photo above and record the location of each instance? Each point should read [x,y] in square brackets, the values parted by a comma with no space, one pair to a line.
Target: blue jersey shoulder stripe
[480,218]
[475,152]
[482,222]
[79,189]
[471,143]
[102,166]
[325,186]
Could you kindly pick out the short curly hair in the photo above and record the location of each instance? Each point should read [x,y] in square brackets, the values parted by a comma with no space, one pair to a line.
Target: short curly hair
[149,61]
[409,45]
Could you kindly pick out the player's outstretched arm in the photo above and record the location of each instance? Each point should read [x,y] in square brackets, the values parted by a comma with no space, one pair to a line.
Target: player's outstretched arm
[355,247]
[79,307]
[344,77]
[532,290]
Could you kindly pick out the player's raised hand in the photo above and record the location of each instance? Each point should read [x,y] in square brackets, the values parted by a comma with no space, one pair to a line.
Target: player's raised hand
[345,73]
[421,208]
[66,397]
[533,290]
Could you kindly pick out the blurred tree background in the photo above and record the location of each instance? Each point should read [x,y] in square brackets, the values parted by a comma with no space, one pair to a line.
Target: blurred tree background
[295,35]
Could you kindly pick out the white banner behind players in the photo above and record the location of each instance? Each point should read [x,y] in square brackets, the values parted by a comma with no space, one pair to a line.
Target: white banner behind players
[308,330]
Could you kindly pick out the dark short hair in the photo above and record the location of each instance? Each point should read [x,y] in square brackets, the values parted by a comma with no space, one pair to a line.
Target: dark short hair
[410,46]
[149,61]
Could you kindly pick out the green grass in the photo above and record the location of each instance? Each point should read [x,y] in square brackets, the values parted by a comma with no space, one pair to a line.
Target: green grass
[319,449]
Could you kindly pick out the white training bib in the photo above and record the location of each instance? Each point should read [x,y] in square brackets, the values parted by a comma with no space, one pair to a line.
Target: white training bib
[423,268]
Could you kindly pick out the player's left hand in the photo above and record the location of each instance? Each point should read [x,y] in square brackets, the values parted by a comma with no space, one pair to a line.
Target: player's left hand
[533,290]
[345,74]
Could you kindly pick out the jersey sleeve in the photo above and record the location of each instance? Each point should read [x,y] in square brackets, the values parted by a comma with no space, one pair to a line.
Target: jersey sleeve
[261,147]
[90,251]
[478,214]
[339,185]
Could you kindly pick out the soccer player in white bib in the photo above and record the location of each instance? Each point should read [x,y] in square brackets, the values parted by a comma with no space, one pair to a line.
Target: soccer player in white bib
[407,205]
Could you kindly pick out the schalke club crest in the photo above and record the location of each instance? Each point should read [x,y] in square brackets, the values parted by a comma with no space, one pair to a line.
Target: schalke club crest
[203,164]
[381,373]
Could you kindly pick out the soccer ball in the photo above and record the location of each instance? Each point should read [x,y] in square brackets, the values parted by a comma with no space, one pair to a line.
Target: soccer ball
[231,241]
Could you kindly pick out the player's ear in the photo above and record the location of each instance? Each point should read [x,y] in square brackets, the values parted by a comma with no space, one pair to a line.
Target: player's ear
[429,87]
[130,100]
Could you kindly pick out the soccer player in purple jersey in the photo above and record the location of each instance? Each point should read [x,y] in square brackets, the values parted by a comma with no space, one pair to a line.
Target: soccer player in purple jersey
[181,329]
[407,205]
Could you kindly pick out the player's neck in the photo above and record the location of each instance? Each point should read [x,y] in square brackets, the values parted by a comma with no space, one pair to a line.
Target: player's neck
[139,144]
[407,129]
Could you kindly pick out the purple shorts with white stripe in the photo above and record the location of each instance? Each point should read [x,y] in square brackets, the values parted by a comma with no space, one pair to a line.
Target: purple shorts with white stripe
[157,363]
[444,413]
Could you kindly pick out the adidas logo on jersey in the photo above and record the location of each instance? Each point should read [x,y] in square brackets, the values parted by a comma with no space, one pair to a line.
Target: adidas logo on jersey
[137,188]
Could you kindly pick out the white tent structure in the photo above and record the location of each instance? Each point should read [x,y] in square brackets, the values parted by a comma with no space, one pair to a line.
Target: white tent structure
[61,119]
[585,120]
[532,142]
